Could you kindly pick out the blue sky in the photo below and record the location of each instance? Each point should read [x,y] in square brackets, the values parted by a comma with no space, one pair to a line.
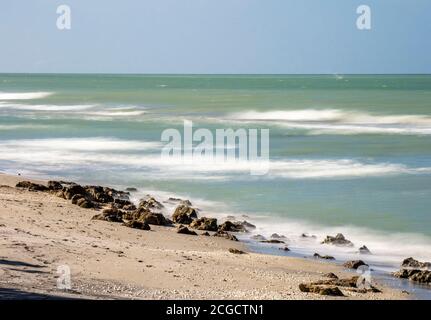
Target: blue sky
[216,36]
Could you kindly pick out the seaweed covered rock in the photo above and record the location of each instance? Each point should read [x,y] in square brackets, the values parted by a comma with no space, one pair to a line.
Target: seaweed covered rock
[325,257]
[185,230]
[137,225]
[322,290]
[147,217]
[207,224]
[415,270]
[415,264]
[184,214]
[111,215]
[421,276]
[30,186]
[150,203]
[99,194]
[237,226]
[232,227]
[338,240]
[354,284]
[123,204]
[73,189]
[55,185]
[226,235]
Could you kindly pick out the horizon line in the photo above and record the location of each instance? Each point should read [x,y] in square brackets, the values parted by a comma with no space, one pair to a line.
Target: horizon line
[215,74]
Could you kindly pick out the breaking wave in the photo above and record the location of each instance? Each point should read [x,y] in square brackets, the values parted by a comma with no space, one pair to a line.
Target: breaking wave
[24,95]
[335,121]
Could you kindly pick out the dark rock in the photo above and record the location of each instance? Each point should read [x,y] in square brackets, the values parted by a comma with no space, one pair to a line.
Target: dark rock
[272,241]
[131,189]
[247,225]
[350,283]
[111,215]
[415,264]
[181,201]
[258,237]
[116,194]
[364,250]
[277,236]
[206,233]
[86,204]
[150,203]
[338,240]
[147,217]
[184,214]
[126,205]
[285,249]
[72,190]
[354,264]
[236,251]
[318,256]
[232,227]
[54,185]
[330,275]
[30,186]
[129,207]
[226,235]
[415,270]
[208,224]
[76,198]
[137,225]
[322,290]
[99,194]
[185,230]
[421,276]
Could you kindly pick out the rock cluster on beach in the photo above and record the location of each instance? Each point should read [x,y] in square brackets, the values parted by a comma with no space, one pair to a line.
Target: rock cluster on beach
[332,285]
[116,206]
[415,271]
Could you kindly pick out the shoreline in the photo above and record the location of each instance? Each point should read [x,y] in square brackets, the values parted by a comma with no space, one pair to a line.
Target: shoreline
[173,266]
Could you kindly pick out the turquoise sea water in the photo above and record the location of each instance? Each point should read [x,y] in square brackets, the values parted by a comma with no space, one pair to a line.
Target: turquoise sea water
[349,154]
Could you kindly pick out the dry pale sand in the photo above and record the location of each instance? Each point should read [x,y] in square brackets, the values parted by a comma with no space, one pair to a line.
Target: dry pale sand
[40,232]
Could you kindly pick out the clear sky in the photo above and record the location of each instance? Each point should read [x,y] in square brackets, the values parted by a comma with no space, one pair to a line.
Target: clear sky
[216,36]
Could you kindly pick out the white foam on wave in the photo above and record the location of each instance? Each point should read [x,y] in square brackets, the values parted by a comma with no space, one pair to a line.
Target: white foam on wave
[28,107]
[42,146]
[145,155]
[116,113]
[24,95]
[7,127]
[85,111]
[335,121]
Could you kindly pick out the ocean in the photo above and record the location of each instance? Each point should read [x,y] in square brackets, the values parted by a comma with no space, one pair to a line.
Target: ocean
[348,153]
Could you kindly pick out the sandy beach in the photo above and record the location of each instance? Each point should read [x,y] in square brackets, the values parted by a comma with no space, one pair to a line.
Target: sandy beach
[40,232]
